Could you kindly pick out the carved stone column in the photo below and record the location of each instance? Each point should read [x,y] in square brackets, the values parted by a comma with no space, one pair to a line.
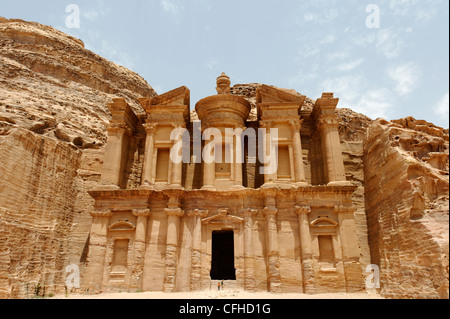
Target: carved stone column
[306,248]
[239,160]
[273,254]
[147,172]
[139,247]
[114,149]
[350,248]
[299,169]
[196,265]
[174,214]
[97,250]
[331,147]
[209,174]
[177,168]
[328,124]
[249,257]
[272,177]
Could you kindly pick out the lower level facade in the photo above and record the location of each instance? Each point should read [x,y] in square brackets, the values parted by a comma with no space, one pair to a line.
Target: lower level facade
[275,239]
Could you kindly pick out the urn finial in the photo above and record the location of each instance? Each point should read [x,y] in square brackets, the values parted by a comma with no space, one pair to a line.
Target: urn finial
[223,84]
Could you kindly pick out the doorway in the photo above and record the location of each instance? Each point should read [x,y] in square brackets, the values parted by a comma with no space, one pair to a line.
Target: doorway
[222,263]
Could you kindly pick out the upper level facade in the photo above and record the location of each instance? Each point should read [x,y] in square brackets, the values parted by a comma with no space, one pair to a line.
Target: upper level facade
[287,145]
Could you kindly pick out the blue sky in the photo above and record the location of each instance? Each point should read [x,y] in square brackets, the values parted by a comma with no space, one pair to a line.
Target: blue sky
[399,68]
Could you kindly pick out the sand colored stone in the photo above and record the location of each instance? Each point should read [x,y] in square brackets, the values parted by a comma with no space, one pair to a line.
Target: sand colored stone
[60,104]
[277,228]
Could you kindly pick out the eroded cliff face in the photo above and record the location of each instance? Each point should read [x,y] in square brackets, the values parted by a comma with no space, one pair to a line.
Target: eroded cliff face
[53,86]
[406,181]
[37,197]
[53,118]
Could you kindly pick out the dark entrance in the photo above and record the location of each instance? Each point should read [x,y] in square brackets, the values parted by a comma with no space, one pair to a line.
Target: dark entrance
[222,264]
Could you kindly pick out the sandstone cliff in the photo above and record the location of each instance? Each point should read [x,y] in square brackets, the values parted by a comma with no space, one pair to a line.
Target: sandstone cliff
[53,117]
[406,185]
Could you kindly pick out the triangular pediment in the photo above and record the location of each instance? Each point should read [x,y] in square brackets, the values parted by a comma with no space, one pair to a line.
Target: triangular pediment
[271,94]
[324,222]
[179,96]
[223,217]
[122,225]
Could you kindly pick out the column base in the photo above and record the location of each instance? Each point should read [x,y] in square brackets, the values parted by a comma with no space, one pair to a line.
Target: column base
[270,185]
[106,188]
[301,184]
[237,188]
[340,183]
[208,188]
[147,187]
[176,186]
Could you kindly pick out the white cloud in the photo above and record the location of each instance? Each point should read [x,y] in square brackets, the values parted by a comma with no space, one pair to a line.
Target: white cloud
[309,17]
[100,9]
[355,93]
[328,39]
[91,14]
[348,66]
[388,43]
[421,11]
[171,6]
[442,108]
[211,63]
[338,55]
[401,7]
[375,103]
[405,77]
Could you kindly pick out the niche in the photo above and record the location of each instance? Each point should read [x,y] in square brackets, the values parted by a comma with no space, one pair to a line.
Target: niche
[326,250]
[120,256]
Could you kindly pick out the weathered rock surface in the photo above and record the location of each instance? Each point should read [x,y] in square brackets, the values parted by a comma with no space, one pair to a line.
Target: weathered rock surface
[53,86]
[53,117]
[406,186]
[37,199]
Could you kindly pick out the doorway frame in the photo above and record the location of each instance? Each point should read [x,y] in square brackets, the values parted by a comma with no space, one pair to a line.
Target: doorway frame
[208,228]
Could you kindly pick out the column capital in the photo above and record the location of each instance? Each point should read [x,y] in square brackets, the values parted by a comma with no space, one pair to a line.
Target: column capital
[178,125]
[271,211]
[198,212]
[249,213]
[302,210]
[150,128]
[239,128]
[141,212]
[121,128]
[178,212]
[265,124]
[296,125]
[101,213]
[327,121]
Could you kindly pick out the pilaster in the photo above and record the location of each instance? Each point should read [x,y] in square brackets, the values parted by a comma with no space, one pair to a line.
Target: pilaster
[174,214]
[97,250]
[306,249]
